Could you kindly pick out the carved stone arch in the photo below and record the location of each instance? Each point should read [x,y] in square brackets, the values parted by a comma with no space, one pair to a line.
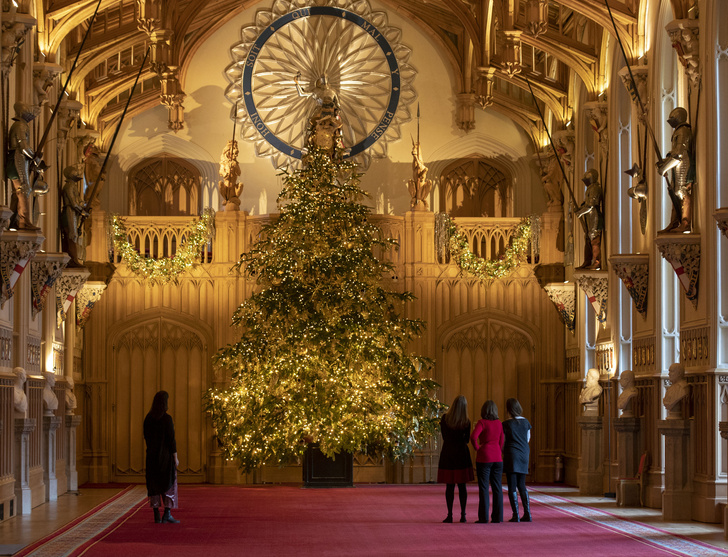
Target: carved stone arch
[164,185]
[476,187]
[158,350]
[488,355]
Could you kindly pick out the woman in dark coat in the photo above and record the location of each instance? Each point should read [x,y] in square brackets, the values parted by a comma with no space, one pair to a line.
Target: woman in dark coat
[455,466]
[162,462]
[488,440]
[517,431]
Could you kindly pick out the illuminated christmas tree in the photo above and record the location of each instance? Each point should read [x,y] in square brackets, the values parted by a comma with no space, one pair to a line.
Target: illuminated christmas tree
[324,353]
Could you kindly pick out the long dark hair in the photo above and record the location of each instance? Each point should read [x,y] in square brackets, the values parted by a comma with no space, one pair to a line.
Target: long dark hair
[160,404]
[457,416]
[489,411]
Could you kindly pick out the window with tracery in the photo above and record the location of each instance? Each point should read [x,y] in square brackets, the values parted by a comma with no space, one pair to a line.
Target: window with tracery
[475,188]
[164,186]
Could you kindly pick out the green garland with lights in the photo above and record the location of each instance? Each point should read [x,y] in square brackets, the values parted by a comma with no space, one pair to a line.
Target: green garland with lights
[324,353]
[167,269]
[489,269]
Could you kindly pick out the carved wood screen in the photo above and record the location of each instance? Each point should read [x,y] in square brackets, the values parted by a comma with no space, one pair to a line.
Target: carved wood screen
[164,186]
[155,355]
[488,360]
[474,188]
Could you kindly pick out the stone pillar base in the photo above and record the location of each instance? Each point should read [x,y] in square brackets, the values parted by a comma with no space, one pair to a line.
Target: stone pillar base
[678,494]
[591,469]
[628,493]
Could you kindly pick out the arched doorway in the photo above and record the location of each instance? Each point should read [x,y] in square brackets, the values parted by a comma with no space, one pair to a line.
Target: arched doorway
[158,353]
[164,186]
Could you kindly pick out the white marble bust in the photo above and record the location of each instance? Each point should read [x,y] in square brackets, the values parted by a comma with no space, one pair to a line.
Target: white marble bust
[50,401]
[20,400]
[678,389]
[591,390]
[71,402]
[629,391]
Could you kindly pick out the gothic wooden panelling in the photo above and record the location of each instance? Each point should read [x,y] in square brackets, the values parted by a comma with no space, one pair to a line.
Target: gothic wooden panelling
[159,354]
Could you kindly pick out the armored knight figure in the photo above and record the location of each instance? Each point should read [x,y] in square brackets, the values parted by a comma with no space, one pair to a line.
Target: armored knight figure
[679,167]
[72,216]
[19,160]
[419,186]
[229,171]
[591,212]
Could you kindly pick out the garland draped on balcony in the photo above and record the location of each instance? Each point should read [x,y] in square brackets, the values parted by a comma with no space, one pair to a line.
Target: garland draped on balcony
[166,269]
[489,269]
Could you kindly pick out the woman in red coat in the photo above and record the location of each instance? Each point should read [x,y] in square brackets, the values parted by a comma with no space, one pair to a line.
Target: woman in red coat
[455,465]
[488,440]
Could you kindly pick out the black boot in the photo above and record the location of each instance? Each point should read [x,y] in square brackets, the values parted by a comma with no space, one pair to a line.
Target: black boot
[462,517]
[526,508]
[513,497]
[157,518]
[168,518]
[448,518]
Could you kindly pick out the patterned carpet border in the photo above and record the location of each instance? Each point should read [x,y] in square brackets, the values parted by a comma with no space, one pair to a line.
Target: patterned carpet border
[638,530]
[88,527]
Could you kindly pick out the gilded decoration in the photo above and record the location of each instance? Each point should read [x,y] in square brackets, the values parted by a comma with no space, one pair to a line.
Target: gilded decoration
[594,284]
[695,346]
[682,251]
[643,354]
[633,270]
[45,269]
[68,286]
[721,218]
[18,247]
[684,35]
[563,296]
[86,298]
[341,44]
[604,358]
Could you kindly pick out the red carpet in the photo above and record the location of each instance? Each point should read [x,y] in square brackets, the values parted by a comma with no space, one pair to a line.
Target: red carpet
[370,520]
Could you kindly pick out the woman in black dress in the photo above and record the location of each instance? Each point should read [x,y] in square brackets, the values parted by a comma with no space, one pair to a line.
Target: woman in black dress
[517,431]
[162,462]
[455,465]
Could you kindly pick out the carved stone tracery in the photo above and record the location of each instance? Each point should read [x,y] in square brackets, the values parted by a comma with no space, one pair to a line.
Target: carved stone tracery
[634,271]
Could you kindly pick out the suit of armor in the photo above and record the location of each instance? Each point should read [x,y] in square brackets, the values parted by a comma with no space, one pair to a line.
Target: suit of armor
[679,167]
[19,158]
[72,215]
[591,212]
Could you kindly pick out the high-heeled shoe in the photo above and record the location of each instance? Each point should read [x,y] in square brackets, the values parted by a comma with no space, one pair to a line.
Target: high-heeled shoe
[448,518]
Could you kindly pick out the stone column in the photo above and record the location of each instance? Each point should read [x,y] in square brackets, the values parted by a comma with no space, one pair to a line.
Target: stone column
[677,497]
[629,492]
[72,423]
[50,426]
[23,493]
[591,468]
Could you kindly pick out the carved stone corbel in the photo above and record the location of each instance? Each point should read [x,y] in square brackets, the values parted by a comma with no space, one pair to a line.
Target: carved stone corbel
[594,284]
[466,111]
[68,286]
[565,142]
[44,74]
[684,35]
[17,247]
[13,32]
[69,112]
[537,20]
[45,268]
[721,218]
[87,296]
[596,114]
[512,55]
[682,251]
[563,296]
[640,74]
[634,271]
[5,214]
[484,87]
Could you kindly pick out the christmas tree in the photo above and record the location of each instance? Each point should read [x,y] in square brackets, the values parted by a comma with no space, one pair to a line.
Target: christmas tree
[323,355]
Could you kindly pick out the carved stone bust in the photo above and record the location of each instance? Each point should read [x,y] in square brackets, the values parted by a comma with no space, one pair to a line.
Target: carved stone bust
[678,389]
[71,402]
[50,401]
[20,400]
[629,391]
[591,390]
